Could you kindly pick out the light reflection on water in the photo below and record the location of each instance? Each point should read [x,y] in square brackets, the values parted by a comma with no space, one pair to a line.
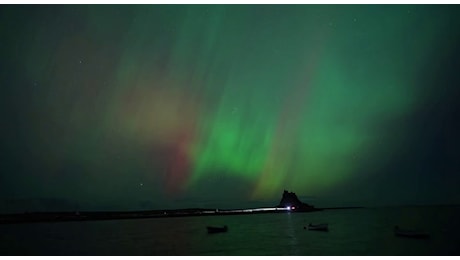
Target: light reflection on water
[351,232]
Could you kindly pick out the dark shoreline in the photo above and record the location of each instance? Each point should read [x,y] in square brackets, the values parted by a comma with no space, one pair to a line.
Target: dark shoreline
[35,217]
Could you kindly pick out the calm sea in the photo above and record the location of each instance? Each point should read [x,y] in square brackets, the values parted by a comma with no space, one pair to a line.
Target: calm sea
[366,231]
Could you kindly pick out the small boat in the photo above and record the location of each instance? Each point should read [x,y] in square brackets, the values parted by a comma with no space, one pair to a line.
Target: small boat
[410,233]
[213,230]
[318,227]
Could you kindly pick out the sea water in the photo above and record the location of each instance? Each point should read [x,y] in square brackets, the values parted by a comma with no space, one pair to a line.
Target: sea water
[367,231]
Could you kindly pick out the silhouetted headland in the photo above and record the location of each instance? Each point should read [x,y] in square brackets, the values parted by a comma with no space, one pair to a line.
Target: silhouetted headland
[289,203]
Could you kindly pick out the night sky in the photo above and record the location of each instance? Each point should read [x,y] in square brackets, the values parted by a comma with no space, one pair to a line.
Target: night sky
[148,107]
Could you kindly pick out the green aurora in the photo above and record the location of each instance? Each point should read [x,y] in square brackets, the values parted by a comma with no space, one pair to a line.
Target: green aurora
[123,106]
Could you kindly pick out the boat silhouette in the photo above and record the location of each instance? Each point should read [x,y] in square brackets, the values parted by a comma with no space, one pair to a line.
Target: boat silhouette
[410,233]
[212,230]
[318,227]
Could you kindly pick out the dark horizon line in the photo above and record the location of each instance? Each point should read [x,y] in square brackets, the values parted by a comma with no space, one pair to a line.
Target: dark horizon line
[226,209]
[112,215]
[77,215]
[65,216]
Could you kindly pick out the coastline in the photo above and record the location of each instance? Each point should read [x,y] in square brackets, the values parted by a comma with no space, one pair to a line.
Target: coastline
[35,217]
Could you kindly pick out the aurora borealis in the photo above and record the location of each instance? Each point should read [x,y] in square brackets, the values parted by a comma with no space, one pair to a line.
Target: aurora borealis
[168,106]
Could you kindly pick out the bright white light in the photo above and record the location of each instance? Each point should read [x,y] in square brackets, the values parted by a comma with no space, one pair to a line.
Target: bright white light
[289,207]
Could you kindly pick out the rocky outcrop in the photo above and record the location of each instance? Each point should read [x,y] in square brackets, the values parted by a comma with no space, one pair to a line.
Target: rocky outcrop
[290,199]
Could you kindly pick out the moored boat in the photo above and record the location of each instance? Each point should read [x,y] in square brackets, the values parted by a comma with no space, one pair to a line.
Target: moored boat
[217,229]
[318,227]
[410,233]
